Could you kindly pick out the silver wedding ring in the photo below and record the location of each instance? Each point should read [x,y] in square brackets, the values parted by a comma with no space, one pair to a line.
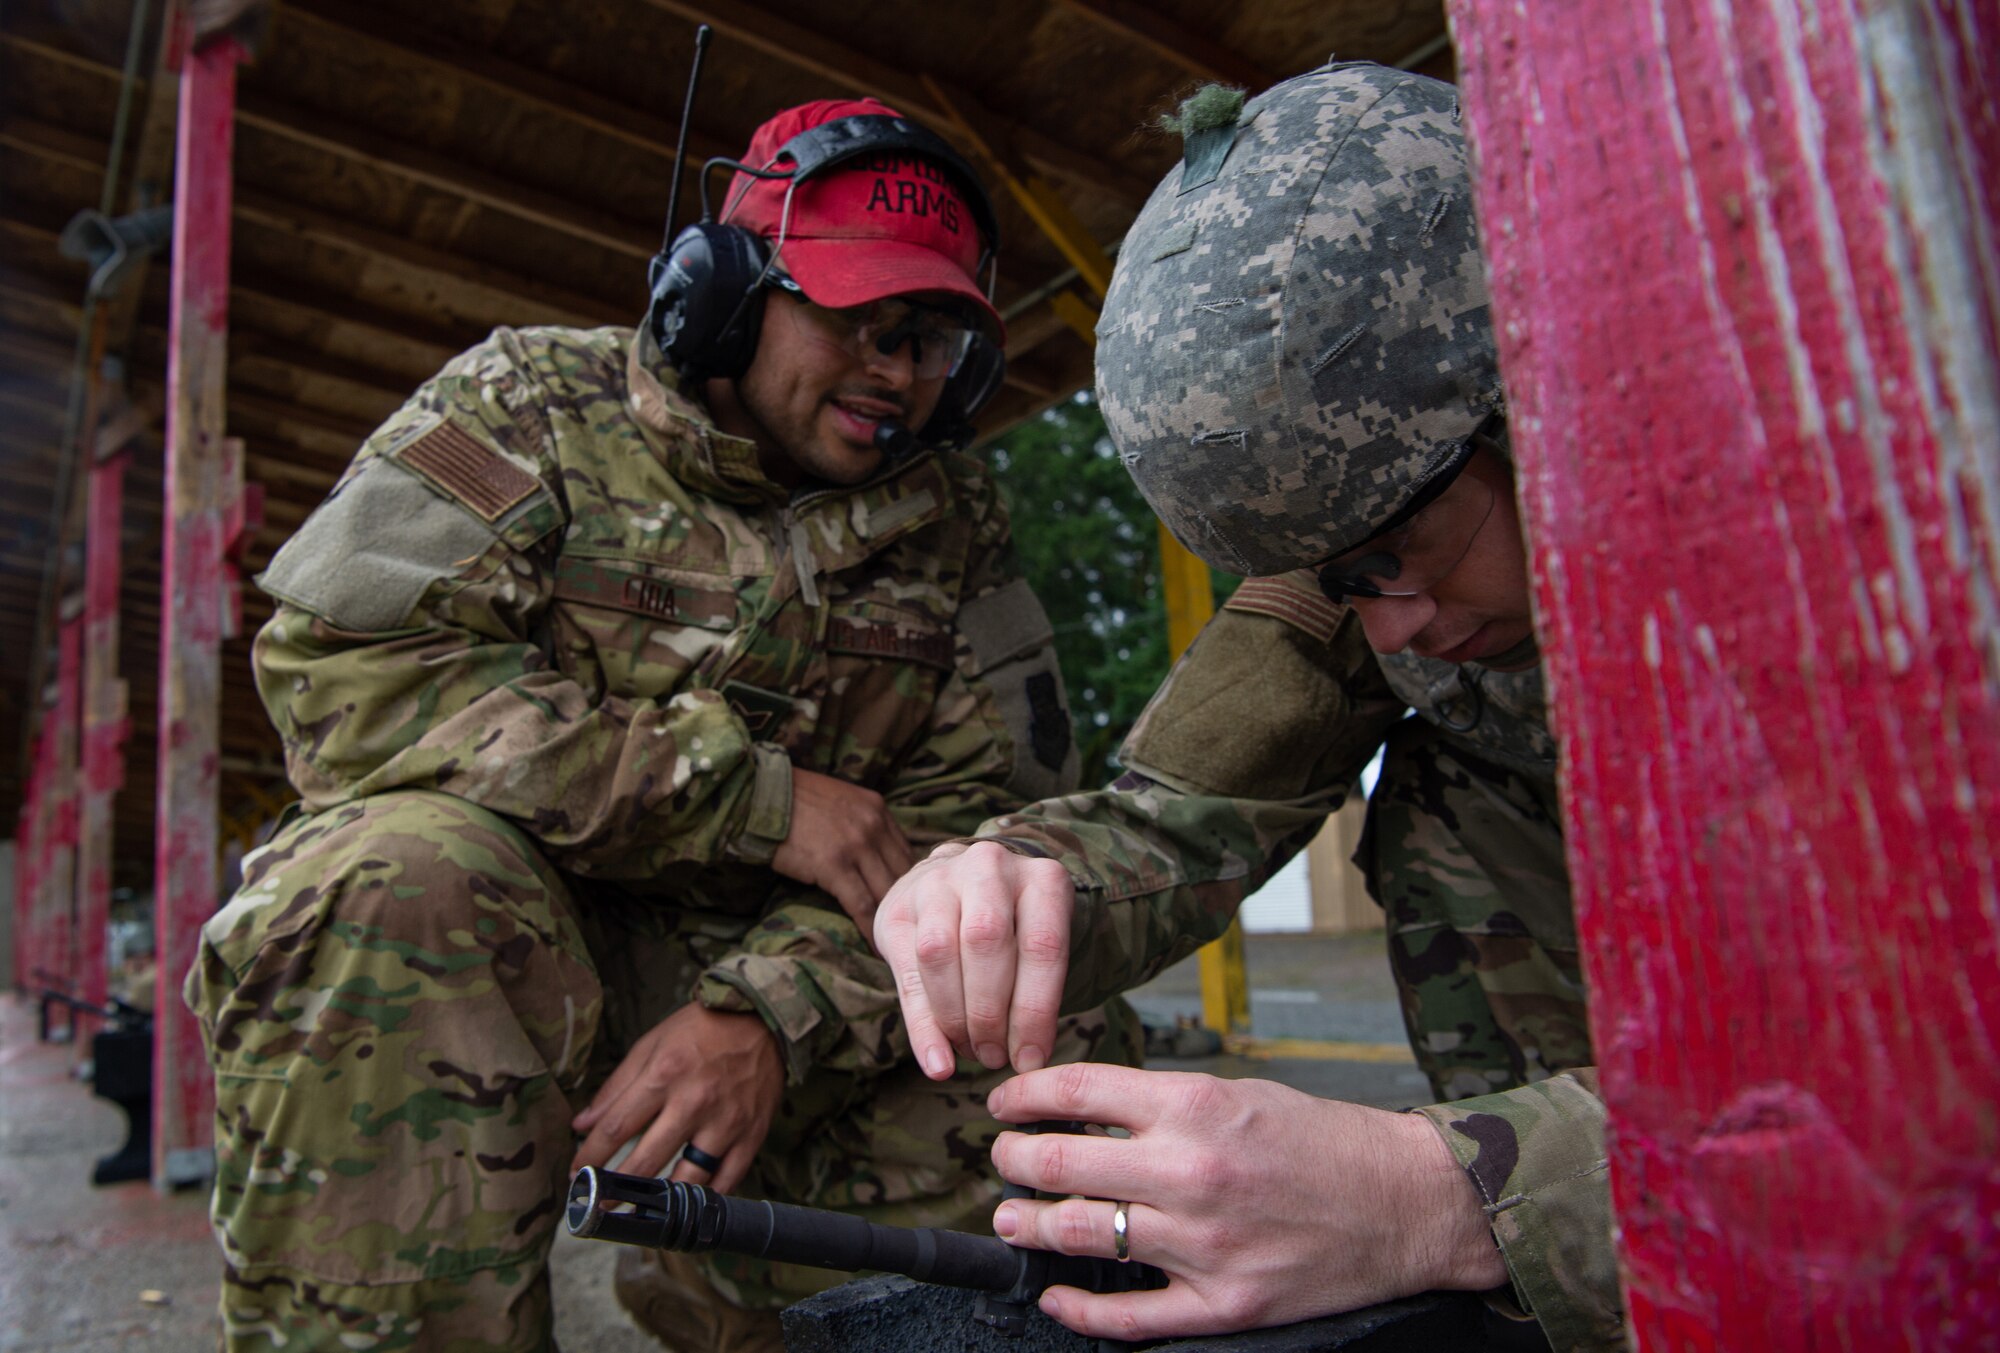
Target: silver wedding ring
[1121,1233]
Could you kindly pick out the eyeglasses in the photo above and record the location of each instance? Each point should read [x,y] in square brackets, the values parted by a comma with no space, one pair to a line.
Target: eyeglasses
[938,337]
[1416,555]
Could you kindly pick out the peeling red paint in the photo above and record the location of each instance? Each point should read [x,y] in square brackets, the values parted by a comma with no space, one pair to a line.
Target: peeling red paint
[1747,289]
[186,883]
[59,859]
[32,946]
[104,722]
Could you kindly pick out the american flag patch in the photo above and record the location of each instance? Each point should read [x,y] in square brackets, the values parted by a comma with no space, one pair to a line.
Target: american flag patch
[1294,598]
[469,470]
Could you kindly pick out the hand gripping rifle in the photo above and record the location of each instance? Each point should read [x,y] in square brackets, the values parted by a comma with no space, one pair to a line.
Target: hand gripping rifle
[635,1210]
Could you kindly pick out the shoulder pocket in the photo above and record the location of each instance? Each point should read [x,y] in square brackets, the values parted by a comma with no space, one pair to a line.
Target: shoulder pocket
[363,560]
[423,504]
[1005,624]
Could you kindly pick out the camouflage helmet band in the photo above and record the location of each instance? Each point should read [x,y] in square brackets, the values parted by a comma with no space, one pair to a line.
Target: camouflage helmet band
[1296,340]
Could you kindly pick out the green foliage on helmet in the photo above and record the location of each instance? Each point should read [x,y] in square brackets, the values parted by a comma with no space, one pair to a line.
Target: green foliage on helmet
[1297,333]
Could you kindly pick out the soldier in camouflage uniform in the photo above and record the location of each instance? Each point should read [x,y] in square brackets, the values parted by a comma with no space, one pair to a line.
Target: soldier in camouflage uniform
[608,693]
[1296,363]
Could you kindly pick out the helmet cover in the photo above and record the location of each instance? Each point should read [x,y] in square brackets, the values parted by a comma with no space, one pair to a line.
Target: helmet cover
[1293,344]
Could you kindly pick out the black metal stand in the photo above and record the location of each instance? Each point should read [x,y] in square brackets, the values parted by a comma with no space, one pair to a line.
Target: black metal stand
[123,1061]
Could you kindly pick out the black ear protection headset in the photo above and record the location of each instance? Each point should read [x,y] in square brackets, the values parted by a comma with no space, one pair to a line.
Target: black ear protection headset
[708,286]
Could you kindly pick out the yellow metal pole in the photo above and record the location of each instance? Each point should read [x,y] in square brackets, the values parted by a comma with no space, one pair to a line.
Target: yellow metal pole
[1225,981]
[1225,986]
[1079,314]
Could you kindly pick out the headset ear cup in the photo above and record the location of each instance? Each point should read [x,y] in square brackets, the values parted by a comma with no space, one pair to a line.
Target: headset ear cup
[705,312]
[965,393]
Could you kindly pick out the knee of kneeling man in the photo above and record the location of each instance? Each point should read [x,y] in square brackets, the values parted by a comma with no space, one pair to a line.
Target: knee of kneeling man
[412,867]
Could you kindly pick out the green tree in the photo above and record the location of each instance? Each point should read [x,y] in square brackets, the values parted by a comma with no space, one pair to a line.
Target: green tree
[1089,545]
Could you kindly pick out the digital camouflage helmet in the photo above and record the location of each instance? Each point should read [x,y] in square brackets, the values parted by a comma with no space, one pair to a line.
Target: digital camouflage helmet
[1296,341]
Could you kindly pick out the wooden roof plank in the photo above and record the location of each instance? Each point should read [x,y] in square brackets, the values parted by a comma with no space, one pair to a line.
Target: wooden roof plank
[348,20]
[551,304]
[1193,52]
[300,125]
[845,67]
[265,113]
[28,136]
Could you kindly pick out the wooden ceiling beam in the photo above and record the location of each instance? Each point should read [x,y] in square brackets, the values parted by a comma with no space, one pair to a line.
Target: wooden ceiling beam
[43,290]
[348,20]
[353,431]
[54,307]
[36,304]
[347,141]
[250,352]
[39,405]
[269,115]
[497,290]
[1029,331]
[438,343]
[511,291]
[848,68]
[260,362]
[50,356]
[1044,383]
[1195,53]
[272,470]
[57,145]
[302,126]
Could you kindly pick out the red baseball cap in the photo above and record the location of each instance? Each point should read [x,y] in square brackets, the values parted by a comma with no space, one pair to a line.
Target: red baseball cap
[867,228]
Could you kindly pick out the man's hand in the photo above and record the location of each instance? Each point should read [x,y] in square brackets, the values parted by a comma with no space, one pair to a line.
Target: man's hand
[1264,1205]
[844,841]
[978,938]
[699,1075]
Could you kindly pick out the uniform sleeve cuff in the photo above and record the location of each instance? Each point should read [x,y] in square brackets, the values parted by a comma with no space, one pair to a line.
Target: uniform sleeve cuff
[769,821]
[763,986]
[1536,1156]
[1008,843]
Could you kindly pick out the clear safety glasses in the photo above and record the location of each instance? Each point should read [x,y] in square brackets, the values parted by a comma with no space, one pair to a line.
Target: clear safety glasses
[1416,555]
[938,338]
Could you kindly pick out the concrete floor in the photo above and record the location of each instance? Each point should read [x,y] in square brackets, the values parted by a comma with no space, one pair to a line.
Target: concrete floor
[92,1270]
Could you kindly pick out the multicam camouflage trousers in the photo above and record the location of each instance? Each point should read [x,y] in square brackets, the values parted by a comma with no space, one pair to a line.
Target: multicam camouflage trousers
[405,1005]
[1465,855]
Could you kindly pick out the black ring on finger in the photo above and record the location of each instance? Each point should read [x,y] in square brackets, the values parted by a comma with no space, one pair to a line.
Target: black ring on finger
[699,1158]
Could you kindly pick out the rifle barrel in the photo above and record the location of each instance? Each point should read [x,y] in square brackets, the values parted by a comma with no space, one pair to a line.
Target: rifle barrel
[659,1214]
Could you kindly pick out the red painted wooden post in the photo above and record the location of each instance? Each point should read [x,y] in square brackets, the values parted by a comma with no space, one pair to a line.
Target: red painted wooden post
[185,876]
[31,859]
[41,792]
[1746,280]
[59,880]
[24,884]
[104,720]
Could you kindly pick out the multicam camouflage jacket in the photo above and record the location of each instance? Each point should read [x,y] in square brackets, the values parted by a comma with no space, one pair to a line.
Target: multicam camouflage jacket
[1259,732]
[550,586]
